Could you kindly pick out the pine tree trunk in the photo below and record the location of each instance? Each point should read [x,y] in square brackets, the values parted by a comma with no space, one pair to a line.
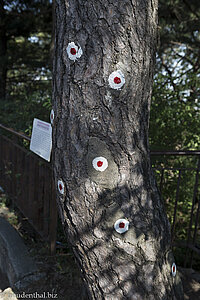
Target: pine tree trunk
[98,125]
[3,50]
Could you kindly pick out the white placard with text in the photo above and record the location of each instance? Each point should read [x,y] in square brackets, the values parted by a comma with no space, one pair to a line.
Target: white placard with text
[41,139]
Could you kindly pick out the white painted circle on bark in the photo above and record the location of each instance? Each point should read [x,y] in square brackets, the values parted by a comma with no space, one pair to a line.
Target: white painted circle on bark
[52,116]
[116,80]
[173,269]
[100,163]
[61,187]
[121,225]
[74,51]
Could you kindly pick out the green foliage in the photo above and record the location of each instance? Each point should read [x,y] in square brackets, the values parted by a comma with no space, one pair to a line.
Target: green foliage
[174,123]
[175,119]
[179,23]
[19,114]
[28,29]
[6,212]
[175,109]
[182,190]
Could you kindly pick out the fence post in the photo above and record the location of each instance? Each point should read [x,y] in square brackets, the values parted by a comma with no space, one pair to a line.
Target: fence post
[53,219]
[161,180]
[175,207]
[197,214]
[192,210]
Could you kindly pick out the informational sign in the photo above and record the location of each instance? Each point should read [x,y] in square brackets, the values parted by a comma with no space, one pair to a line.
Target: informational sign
[41,139]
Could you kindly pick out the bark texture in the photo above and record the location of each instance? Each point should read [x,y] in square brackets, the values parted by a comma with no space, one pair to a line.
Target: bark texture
[3,50]
[94,120]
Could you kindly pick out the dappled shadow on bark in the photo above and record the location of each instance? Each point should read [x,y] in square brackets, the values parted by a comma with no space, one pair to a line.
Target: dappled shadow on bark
[130,265]
[136,264]
[4,283]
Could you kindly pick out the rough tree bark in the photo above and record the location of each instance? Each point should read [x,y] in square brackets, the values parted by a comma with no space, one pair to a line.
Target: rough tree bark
[94,120]
[3,50]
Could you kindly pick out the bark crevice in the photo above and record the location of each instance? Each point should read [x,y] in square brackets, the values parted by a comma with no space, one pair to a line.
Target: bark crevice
[94,120]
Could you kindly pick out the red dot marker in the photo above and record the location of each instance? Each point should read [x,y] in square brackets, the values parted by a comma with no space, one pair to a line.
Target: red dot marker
[99,163]
[73,51]
[117,80]
[121,225]
[60,186]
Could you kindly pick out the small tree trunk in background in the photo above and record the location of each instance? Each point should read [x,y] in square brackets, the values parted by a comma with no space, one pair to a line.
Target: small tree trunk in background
[94,120]
[3,50]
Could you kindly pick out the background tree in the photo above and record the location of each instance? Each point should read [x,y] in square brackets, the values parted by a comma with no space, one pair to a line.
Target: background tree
[175,104]
[175,120]
[97,123]
[25,83]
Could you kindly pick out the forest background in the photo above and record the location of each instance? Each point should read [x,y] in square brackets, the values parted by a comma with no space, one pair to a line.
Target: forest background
[26,43]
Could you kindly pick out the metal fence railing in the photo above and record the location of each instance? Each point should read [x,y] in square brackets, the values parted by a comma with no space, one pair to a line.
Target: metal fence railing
[27,180]
[178,181]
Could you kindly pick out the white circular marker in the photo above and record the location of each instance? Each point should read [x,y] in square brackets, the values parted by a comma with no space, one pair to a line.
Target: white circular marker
[52,116]
[61,187]
[100,163]
[116,80]
[121,225]
[173,269]
[74,51]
